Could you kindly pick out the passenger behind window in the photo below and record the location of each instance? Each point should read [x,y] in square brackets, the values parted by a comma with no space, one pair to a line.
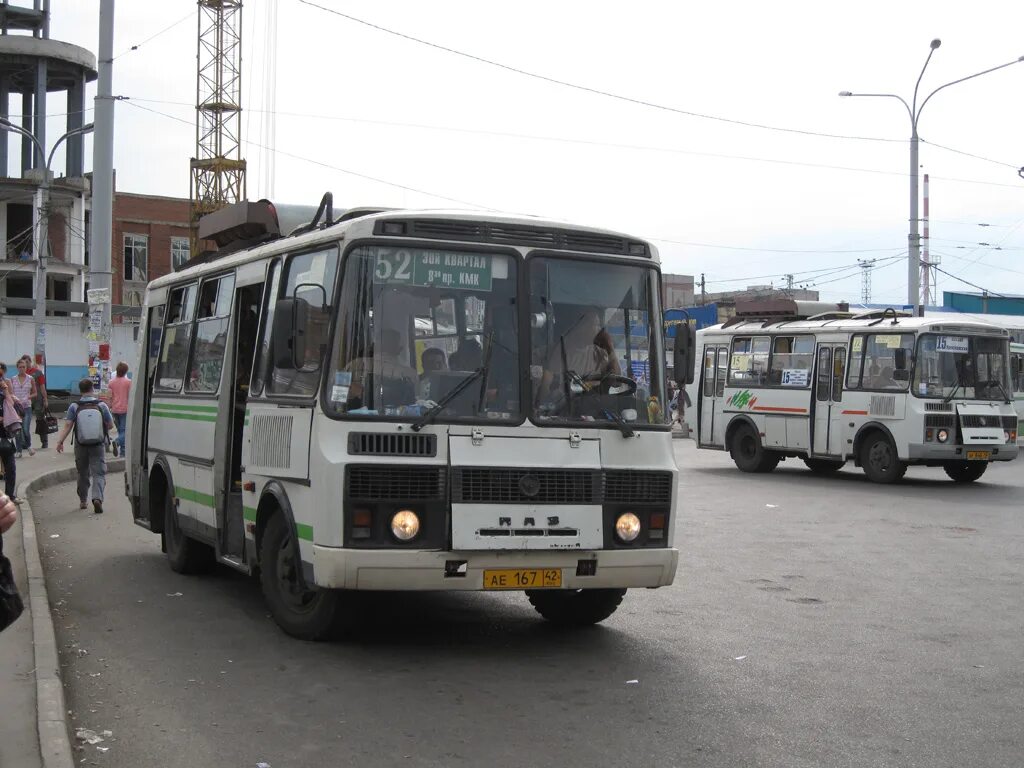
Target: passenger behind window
[468,357]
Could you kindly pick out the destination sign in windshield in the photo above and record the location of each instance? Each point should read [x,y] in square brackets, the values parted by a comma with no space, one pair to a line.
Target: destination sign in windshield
[442,269]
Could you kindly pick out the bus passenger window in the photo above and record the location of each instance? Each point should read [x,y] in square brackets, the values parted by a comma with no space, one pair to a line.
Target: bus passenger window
[749,364]
[791,361]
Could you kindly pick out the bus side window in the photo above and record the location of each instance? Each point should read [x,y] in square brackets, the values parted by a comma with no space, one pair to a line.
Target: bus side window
[177,337]
[856,362]
[211,333]
[259,372]
[709,371]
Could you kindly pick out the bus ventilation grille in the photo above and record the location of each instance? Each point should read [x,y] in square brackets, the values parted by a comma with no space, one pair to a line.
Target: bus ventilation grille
[271,445]
[944,407]
[975,421]
[391,444]
[940,420]
[487,485]
[374,482]
[883,405]
[628,487]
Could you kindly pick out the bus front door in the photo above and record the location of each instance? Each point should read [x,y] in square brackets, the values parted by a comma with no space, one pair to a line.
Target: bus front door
[828,396]
[711,432]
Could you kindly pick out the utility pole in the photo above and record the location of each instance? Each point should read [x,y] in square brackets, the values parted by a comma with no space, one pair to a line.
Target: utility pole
[702,292]
[100,273]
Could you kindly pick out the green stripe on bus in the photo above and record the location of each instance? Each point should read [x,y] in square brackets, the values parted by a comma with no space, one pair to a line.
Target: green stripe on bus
[177,407]
[305,532]
[187,494]
[186,416]
[249,513]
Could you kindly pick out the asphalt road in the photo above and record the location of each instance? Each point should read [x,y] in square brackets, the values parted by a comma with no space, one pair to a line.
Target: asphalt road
[813,622]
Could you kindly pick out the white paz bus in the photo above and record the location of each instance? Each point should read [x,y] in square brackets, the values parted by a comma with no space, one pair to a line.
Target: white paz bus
[884,390]
[1017,380]
[408,400]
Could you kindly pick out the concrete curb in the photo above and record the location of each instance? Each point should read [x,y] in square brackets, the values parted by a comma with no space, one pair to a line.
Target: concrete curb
[54,738]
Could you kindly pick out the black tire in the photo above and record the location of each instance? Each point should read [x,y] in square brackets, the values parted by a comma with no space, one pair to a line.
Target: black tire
[184,555]
[824,466]
[748,453]
[575,608]
[302,612]
[965,471]
[879,460]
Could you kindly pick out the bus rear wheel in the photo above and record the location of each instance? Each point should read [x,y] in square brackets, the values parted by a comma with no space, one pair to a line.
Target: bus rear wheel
[824,466]
[879,460]
[748,453]
[302,612]
[575,608]
[184,555]
[965,471]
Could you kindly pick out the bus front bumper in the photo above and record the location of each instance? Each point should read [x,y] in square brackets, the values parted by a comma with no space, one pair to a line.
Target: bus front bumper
[402,570]
[924,452]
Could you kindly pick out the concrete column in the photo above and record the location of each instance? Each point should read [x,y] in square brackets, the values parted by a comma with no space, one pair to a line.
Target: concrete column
[5,112]
[28,149]
[76,107]
[3,228]
[75,251]
[39,113]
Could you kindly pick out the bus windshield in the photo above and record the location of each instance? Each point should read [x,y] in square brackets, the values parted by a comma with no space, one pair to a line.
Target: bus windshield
[963,367]
[595,344]
[414,324]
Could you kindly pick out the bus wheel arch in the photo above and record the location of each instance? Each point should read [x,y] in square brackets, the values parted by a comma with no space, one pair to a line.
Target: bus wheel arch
[159,487]
[877,454]
[274,501]
[743,441]
[300,609]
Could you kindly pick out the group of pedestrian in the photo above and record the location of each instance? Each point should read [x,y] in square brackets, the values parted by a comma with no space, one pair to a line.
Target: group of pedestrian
[23,398]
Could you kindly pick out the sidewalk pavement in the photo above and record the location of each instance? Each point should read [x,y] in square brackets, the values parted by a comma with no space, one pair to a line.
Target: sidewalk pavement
[33,728]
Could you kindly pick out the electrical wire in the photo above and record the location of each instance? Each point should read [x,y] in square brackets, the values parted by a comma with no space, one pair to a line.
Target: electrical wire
[191,14]
[588,89]
[1014,166]
[967,282]
[339,169]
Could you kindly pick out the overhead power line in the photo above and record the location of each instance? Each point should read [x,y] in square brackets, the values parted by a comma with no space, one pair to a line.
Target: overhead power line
[967,282]
[322,164]
[588,89]
[168,28]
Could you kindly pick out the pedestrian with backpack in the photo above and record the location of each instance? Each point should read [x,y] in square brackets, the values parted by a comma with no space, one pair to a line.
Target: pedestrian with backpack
[91,420]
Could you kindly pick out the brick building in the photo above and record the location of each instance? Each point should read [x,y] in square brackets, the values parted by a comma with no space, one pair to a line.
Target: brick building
[150,239]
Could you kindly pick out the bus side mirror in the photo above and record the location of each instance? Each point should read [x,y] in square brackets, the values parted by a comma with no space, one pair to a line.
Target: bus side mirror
[289,333]
[900,357]
[683,352]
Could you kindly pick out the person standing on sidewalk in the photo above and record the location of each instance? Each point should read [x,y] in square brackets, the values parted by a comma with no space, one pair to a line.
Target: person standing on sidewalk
[120,385]
[91,421]
[8,438]
[24,391]
[40,403]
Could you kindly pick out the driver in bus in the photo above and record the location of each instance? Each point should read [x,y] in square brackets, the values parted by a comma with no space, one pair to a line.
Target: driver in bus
[587,350]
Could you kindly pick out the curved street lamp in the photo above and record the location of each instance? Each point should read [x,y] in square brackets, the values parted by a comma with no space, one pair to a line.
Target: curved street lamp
[914,111]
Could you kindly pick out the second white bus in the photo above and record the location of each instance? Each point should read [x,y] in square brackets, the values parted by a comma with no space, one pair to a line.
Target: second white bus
[882,390]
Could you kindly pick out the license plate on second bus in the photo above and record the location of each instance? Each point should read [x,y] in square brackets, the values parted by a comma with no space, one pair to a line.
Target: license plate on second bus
[978,455]
[522,578]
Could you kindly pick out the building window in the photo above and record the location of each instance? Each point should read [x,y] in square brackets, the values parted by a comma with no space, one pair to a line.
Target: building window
[179,252]
[136,257]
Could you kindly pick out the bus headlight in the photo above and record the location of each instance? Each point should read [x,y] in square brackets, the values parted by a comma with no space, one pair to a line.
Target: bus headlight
[627,527]
[942,435]
[405,525]
[1007,437]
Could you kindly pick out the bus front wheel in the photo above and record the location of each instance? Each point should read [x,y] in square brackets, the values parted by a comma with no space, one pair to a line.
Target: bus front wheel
[879,460]
[749,454]
[575,608]
[184,555]
[302,612]
[965,471]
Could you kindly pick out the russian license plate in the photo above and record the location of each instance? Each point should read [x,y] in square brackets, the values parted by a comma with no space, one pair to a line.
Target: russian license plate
[522,578]
[978,455]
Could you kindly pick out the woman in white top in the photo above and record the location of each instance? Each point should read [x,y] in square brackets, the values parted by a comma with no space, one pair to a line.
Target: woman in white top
[24,390]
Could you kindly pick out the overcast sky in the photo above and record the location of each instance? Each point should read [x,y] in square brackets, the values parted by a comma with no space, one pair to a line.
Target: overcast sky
[744,205]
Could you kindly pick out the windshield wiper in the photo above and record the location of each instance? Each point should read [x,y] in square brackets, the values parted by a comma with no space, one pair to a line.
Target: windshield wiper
[997,383]
[624,428]
[441,404]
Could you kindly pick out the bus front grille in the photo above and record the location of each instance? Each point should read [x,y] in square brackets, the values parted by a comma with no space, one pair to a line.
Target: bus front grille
[631,487]
[487,485]
[380,482]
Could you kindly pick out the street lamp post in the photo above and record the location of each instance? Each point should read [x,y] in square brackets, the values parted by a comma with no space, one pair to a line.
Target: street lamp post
[44,214]
[914,111]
